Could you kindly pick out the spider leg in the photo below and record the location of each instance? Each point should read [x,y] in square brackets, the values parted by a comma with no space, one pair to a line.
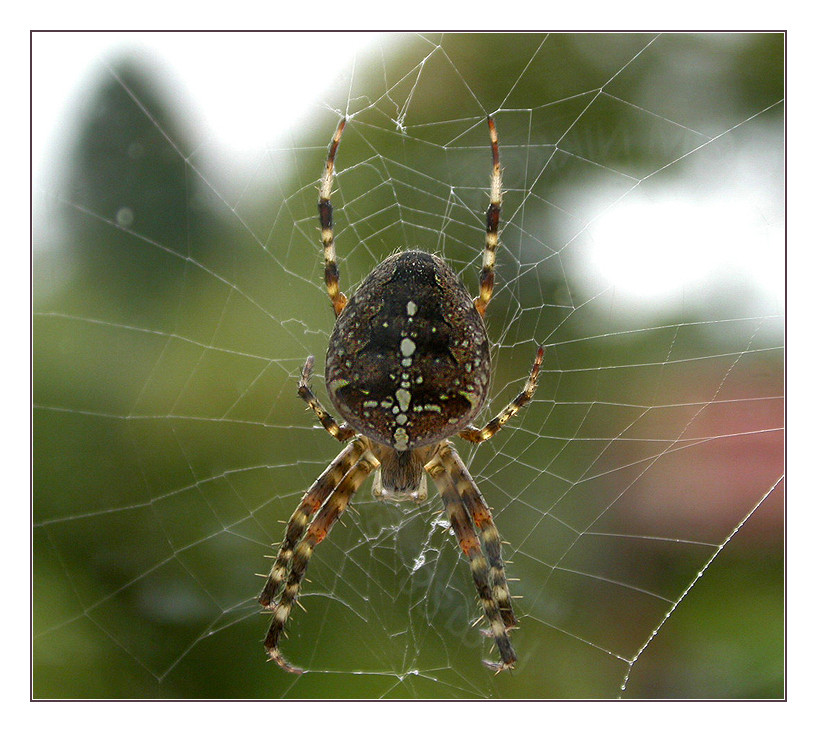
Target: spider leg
[331,276]
[475,434]
[469,543]
[312,500]
[331,511]
[484,522]
[486,276]
[339,432]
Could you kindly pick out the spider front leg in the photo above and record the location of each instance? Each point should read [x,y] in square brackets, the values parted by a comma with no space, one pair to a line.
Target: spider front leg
[313,499]
[339,432]
[318,530]
[475,434]
[331,275]
[483,521]
[460,520]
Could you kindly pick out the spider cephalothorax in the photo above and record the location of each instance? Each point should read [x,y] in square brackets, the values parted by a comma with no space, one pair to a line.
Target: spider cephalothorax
[408,366]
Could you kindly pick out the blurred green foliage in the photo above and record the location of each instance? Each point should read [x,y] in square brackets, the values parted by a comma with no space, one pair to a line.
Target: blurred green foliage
[171,321]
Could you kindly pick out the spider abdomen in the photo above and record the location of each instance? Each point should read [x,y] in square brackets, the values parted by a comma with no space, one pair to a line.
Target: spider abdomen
[408,362]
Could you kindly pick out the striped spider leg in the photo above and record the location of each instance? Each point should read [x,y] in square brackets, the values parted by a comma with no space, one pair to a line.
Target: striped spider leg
[486,276]
[302,537]
[474,434]
[466,508]
[408,366]
[331,275]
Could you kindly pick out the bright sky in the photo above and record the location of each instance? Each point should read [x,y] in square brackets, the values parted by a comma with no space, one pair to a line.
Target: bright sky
[222,93]
[653,249]
[219,82]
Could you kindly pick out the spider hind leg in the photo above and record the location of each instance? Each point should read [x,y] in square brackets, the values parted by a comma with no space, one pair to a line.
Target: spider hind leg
[331,275]
[486,275]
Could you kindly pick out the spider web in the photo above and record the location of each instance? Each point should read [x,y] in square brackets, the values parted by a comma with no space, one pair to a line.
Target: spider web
[178,291]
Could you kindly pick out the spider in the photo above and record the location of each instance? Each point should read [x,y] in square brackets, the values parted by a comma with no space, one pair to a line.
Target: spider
[407,367]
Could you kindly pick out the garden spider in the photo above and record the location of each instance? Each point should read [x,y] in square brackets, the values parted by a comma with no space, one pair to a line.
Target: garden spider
[407,366]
